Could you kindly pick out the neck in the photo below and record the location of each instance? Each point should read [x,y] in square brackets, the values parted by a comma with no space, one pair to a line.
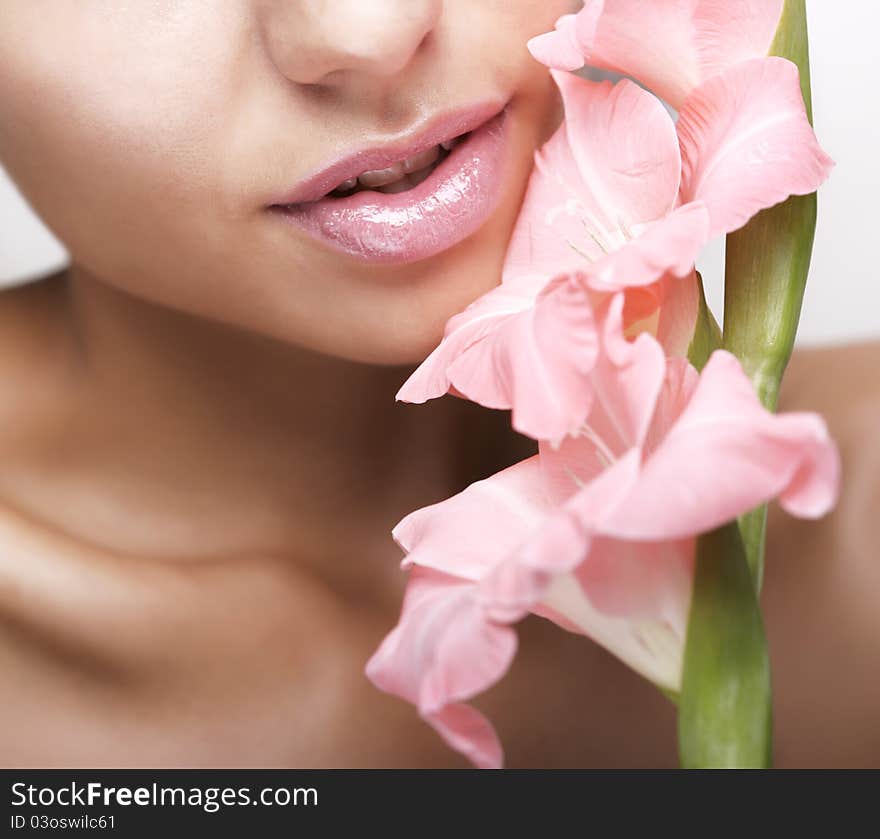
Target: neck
[263,445]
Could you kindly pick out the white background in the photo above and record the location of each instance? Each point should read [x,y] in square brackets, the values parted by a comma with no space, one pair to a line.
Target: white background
[843,298]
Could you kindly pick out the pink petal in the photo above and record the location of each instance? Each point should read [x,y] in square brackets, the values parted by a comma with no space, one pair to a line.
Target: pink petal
[679,385]
[627,382]
[613,167]
[653,648]
[747,143]
[724,455]
[640,594]
[537,363]
[646,580]
[731,31]
[650,41]
[641,308]
[518,584]
[559,49]
[671,46]
[813,490]
[442,653]
[670,245]
[549,237]
[469,534]
[678,312]
[636,608]
[480,320]
[624,144]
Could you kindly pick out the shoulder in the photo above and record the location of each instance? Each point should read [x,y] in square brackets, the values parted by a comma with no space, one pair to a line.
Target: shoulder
[834,380]
[823,576]
[843,385]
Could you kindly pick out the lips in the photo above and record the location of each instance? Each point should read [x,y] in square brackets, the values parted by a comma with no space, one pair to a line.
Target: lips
[410,201]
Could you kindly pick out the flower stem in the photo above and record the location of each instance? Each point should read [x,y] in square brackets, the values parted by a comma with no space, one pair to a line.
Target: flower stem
[767,266]
[724,709]
[724,713]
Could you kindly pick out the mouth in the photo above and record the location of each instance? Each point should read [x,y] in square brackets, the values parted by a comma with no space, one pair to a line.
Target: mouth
[410,201]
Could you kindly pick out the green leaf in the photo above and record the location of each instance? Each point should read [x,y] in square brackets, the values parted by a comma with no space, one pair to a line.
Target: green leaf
[707,333]
[724,712]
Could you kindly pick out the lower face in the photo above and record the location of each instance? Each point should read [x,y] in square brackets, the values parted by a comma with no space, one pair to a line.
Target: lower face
[175,157]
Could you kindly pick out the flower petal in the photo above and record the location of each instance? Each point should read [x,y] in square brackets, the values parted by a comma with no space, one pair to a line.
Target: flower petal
[747,143]
[724,455]
[518,584]
[668,246]
[677,313]
[671,46]
[650,41]
[611,168]
[628,380]
[442,653]
[640,579]
[626,150]
[559,49]
[654,649]
[731,31]
[469,534]
[549,237]
[649,585]
[480,320]
[537,363]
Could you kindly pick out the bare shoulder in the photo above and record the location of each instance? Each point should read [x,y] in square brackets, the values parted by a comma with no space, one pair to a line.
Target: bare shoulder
[843,385]
[835,378]
[823,577]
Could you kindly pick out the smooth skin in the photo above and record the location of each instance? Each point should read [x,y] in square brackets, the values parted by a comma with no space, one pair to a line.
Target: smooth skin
[202,457]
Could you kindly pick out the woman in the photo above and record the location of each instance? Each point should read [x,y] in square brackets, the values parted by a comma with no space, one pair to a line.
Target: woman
[273,207]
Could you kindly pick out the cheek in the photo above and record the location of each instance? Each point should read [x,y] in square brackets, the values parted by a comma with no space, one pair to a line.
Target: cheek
[526,17]
[112,124]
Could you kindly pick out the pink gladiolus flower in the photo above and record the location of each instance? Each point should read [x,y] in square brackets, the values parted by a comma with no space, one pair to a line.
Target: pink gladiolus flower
[608,206]
[605,195]
[671,46]
[747,143]
[597,535]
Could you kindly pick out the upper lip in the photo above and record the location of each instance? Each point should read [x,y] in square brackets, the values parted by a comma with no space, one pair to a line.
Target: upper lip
[440,129]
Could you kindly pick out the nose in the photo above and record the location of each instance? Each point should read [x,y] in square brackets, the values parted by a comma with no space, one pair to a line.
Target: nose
[328,41]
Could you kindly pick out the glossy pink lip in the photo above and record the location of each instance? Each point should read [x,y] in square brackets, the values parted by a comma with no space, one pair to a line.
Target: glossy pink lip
[451,204]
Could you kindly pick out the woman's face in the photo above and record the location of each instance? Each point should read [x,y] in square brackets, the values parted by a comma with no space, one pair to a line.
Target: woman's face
[163,140]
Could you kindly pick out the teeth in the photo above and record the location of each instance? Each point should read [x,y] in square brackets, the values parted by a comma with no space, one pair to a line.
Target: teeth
[400,176]
[420,161]
[381,177]
[417,177]
[398,186]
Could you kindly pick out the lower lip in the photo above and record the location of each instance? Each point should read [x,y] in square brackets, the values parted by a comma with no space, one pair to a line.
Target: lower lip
[452,203]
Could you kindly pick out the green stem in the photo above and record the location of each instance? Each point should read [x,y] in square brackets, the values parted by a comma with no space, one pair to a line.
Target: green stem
[724,716]
[767,266]
[724,713]
[725,708]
